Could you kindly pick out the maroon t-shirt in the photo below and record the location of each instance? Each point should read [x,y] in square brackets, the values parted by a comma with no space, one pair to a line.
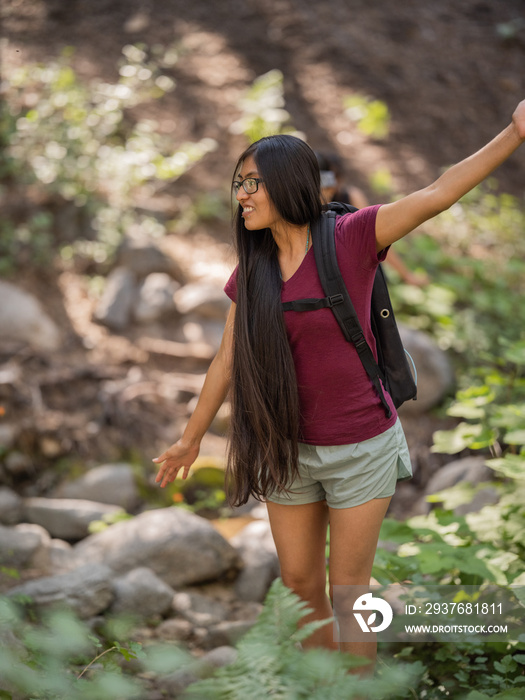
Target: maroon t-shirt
[339,405]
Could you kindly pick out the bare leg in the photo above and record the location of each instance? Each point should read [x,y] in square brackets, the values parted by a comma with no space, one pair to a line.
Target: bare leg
[353,540]
[299,532]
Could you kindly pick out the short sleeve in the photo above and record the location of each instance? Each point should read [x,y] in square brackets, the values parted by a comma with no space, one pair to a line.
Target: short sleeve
[356,235]
[231,286]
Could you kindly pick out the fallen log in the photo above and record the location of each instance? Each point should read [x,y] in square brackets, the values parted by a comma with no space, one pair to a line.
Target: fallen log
[198,351]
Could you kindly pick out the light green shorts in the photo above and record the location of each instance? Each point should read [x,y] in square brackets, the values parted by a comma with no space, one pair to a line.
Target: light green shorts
[349,475]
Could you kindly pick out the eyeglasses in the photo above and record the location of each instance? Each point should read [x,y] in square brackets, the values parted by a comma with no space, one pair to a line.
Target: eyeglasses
[250,185]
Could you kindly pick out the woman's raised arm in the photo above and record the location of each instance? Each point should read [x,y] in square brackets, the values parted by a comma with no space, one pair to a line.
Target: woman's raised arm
[397,219]
[184,452]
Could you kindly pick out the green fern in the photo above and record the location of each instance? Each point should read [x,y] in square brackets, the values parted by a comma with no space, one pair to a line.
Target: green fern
[271,663]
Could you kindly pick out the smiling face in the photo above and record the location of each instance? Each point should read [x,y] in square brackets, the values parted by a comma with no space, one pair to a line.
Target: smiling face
[258,210]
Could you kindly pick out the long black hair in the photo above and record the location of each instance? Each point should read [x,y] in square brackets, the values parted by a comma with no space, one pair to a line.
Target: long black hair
[262,454]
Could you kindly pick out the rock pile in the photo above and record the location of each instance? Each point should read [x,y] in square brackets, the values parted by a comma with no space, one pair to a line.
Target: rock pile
[147,285]
[166,565]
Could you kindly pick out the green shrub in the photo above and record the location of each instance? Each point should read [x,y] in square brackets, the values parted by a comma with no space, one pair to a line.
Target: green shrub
[262,106]
[80,142]
[371,116]
[474,255]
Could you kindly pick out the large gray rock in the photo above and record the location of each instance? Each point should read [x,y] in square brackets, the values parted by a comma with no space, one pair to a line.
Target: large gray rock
[62,556]
[196,329]
[175,629]
[66,518]
[22,318]
[144,258]
[18,463]
[155,297]
[10,506]
[87,590]
[487,496]
[25,545]
[175,683]
[227,633]
[143,593]
[199,609]
[260,562]
[179,546]
[204,300]
[108,483]
[114,308]
[8,431]
[221,656]
[435,375]
[469,469]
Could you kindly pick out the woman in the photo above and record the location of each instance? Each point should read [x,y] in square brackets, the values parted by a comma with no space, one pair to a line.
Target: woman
[309,434]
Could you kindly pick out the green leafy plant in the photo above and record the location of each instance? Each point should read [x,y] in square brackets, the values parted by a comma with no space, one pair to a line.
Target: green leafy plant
[474,255]
[493,416]
[50,659]
[60,657]
[263,112]
[371,116]
[468,671]
[203,492]
[79,142]
[270,662]
[476,547]
[444,547]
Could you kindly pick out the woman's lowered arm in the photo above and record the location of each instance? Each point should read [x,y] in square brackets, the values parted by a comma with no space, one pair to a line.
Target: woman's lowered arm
[184,452]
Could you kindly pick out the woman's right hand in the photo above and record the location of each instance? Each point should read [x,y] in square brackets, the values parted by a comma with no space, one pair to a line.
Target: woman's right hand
[180,455]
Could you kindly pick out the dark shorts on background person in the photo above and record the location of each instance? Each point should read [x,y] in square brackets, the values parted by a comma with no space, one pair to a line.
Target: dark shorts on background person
[350,475]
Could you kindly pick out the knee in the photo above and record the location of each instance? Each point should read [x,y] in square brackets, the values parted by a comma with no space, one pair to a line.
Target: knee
[357,582]
[307,585]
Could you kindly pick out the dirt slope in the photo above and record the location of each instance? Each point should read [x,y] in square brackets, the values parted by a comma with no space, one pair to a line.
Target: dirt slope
[450,72]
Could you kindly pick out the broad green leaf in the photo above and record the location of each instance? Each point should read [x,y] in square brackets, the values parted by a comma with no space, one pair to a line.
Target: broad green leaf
[466,410]
[486,438]
[459,494]
[457,440]
[509,417]
[515,437]
[476,395]
[512,466]
[395,531]
[506,665]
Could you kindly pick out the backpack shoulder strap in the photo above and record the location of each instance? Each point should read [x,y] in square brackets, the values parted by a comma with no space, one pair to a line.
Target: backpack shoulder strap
[323,238]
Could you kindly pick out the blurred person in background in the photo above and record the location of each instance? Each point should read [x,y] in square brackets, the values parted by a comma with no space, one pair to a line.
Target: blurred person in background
[334,189]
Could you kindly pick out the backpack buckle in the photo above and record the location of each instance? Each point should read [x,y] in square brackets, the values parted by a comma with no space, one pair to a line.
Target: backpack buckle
[359,341]
[335,299]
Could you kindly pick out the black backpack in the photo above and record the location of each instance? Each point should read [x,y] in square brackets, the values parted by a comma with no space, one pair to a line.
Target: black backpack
[392,367]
